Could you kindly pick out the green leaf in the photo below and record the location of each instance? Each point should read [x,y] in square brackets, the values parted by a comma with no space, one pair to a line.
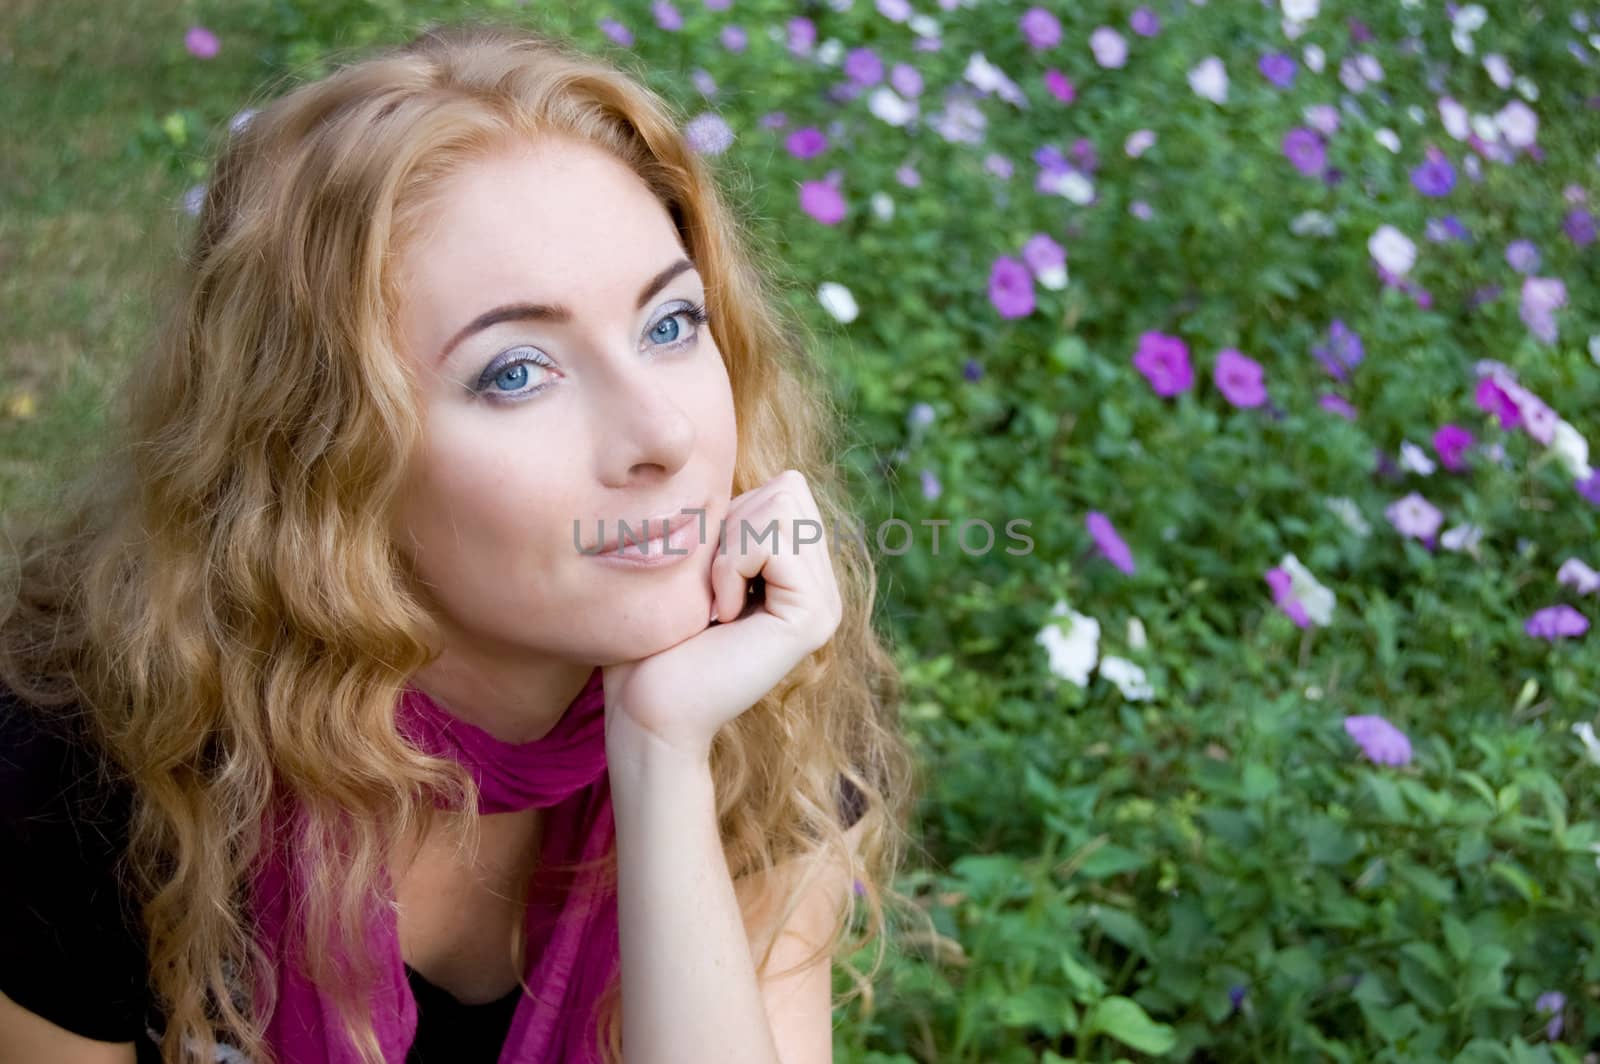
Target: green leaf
[1123,1019]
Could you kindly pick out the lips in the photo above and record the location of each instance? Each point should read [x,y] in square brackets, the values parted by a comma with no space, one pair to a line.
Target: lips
[657,528]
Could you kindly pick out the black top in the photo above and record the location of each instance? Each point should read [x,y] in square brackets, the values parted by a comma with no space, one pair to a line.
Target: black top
[71,952]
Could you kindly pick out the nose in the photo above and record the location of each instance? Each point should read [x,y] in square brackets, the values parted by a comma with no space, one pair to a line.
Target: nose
[643,430]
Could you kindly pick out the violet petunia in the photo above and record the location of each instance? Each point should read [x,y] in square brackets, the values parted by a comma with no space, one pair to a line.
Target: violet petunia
[1110,543]
[1556,622]
[1011,287]
[1382,742]
[1304,150]
[1415,517]
[1164,362]
[822,201]
[1452,441]
[1239,378]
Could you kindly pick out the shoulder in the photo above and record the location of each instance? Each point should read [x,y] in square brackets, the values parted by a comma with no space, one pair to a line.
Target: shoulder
[72,954]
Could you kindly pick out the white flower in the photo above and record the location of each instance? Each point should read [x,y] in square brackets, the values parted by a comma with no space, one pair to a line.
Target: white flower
[1315,58]
[1416,114]
[1293,30]
[1136,634]
[1388,138]
[1369,67]
[1209,78]
[1594,349]
[1415,459]
[1517,122]
[1582,578]
[837,300]
[1591,746]
[1499,70]
[1073,652]
[1317,600]
[1110,48]
[830,52]
[924,26]
[1138,142]
[1054,277]
[1526,88]
[1348,512]
[1393,249]
[1128,677]
[1075,187]
[1462,40]
[1463,537]
[1454,117]
[1300,10]
[1571,450]
[1470,19]
[887,105]
[1311,223]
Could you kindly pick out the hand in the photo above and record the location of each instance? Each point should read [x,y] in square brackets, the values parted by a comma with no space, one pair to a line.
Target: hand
[683,695]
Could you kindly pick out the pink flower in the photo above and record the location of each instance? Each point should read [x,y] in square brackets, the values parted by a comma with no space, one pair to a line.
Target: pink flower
[1494,399]
[1238,377]
[821,200]
[201,42]
[1164,361]
[1337,404]
[1415,517]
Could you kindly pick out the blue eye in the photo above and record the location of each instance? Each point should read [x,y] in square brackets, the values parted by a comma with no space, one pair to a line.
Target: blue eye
[513,371]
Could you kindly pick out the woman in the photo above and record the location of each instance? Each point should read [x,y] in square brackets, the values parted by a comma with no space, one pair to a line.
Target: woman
[398,759]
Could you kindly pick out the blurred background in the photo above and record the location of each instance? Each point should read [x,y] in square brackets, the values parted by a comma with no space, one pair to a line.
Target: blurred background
[1242,355]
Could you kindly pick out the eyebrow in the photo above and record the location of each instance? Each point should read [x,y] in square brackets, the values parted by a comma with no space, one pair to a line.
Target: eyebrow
[553,312]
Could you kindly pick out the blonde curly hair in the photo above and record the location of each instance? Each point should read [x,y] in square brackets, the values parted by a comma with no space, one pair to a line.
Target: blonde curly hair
[229,564]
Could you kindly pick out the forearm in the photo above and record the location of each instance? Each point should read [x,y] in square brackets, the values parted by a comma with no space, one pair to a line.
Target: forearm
[689,989]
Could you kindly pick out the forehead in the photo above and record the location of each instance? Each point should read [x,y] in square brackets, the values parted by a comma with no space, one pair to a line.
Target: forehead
[553,221]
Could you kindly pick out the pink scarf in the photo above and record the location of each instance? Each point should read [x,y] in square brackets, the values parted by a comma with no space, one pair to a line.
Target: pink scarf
[572,934]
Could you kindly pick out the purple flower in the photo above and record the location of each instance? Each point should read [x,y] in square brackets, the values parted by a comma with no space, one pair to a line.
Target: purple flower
[1415,517]
[1236,996]
[1041,28]
[859,889]
[1556,622]
[1522,256]
[802,35]
[734,38]
[1495,400]
[1451,441]
[617,32]
[972,370]
[1043,254]
[931,488]
[1239,378]
[1164,361]
[708,134]
[863,67]
[806,142]
[1282,583]
[821,200]
[1382,742]
[905,80]
[1304,150]
[1541,298]
[1589,487]
[1278,68]
[201,43]
[1338,405]
[1110,544]
[1435,177]
[1011,287]
[667,16]
[1342,353]
[1579,227]
[1358,30]
[1551,1003]
[1144,22]
[1059,86]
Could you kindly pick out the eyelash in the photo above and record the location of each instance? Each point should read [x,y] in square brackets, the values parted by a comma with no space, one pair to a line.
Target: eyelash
[695,313]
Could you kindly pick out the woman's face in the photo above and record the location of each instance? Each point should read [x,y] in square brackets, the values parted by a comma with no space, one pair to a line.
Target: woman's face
[620,410]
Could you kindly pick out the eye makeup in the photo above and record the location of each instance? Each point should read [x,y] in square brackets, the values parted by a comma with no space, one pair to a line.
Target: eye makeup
[504,366]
